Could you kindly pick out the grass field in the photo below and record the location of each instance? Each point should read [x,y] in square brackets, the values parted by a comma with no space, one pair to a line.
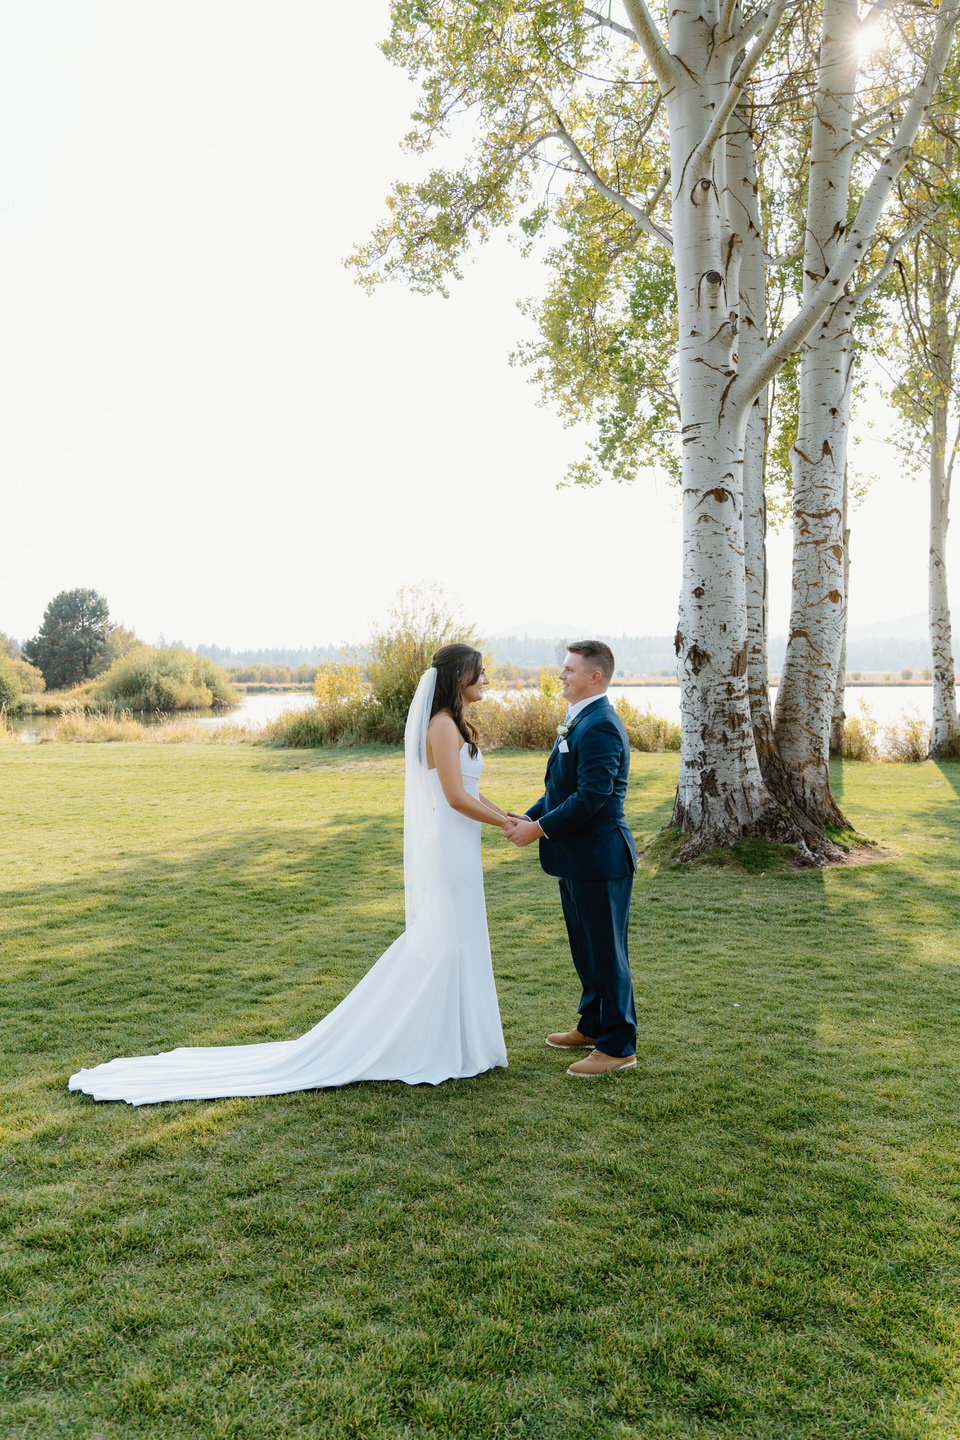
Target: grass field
[754,1234]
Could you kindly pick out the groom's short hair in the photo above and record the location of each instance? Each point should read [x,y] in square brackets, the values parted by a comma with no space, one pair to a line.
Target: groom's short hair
[597,655]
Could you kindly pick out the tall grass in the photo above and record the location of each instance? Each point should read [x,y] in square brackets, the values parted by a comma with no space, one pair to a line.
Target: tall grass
[79,726]
[860,735]
[8,736]
[908,741]
[359,720]
[905,741]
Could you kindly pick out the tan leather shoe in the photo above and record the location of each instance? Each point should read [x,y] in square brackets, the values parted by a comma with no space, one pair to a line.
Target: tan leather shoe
[597,1063]
[570,1040]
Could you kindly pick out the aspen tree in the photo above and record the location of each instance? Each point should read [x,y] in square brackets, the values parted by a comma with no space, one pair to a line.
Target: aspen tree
[527,71]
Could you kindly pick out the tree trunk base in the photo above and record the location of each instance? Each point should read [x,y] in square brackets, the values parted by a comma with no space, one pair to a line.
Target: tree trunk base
[811,820]
[948,749]
[777,824]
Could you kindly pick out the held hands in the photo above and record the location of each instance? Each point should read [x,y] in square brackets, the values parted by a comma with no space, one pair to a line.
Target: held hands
[522,831]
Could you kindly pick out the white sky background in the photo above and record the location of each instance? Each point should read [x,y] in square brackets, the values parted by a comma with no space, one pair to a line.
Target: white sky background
[204,418]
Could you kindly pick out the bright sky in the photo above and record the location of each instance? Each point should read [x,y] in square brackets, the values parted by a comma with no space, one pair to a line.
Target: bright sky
[203,416]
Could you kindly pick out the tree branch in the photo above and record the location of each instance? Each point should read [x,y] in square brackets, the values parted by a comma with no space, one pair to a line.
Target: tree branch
[634,211]
[864,226]
[738,83]
[867,142]
[753,27]
[893,250]
[726,16]
[879,113]
[648,38]
[652,202]
[773,261]
[610,24]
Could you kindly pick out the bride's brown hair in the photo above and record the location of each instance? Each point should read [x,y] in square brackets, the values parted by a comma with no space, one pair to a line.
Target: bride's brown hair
[456,665]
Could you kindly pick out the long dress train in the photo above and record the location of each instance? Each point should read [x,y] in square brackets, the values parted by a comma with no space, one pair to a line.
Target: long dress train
[427,1011]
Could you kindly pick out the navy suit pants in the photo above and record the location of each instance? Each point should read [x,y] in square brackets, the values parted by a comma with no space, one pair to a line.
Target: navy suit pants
[597,913]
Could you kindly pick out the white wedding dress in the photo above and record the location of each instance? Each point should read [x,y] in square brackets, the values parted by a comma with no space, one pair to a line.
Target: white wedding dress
[426,1012]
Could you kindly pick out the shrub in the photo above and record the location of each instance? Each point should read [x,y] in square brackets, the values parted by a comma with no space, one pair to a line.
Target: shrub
[334,682]
[907,742]
[860,735]
[525,719]
[355,721]
[11,691]
[906,674]
[31,679]
[169,679]
[649,732]
[549,680]
[422,619]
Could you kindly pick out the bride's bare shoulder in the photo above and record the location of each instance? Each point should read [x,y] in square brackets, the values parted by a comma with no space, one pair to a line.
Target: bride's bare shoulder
[443,736]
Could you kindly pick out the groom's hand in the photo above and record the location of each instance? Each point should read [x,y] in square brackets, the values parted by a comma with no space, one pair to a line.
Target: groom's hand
[523,832]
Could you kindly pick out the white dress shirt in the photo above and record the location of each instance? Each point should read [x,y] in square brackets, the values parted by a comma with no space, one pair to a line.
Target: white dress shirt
[582,704]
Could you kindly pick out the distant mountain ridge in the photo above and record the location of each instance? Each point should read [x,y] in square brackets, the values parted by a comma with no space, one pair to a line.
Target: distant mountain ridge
[889,646]
[268,656]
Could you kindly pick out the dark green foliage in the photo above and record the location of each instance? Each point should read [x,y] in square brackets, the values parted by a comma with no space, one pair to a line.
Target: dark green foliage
[72,640]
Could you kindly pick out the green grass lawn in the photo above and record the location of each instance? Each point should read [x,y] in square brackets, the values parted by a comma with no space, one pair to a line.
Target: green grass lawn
[753,1234]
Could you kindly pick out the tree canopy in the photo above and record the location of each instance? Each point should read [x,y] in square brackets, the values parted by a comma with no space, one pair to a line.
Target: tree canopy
[72,641]
[717,135]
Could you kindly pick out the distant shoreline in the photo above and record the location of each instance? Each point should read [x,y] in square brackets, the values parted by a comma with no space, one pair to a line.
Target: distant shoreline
[865,680]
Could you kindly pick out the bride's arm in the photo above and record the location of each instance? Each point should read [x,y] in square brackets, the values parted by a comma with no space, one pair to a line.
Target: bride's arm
[443,741]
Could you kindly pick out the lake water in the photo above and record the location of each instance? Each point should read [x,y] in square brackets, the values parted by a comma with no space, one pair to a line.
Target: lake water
[887,703]
[253,710]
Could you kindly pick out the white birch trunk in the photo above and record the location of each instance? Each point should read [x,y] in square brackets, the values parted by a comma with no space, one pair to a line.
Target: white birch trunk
[805,698]
[743,202]
[840,688]
[945,731]
[721,794]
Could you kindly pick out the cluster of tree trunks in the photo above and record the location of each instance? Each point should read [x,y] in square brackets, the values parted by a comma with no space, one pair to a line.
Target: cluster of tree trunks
[696,93]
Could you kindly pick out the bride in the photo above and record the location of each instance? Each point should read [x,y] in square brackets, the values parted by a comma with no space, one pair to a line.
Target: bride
[427,1011]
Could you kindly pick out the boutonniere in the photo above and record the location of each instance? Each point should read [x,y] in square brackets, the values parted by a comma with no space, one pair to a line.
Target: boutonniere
[563,731]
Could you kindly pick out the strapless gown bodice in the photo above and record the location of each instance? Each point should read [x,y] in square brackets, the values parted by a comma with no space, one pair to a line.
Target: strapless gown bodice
[426,1012]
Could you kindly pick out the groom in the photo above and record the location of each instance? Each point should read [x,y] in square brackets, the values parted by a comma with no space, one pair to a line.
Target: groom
[585,841]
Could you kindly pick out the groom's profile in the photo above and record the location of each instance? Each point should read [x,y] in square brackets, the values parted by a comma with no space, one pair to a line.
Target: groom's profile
[586,842]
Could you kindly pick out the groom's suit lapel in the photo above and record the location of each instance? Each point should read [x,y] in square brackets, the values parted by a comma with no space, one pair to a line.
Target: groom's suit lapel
[587,710]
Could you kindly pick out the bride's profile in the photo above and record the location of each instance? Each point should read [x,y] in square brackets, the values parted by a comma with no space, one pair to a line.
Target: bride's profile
[427,1010]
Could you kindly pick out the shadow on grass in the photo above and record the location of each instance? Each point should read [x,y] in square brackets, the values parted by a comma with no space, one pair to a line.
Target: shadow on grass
[950,770]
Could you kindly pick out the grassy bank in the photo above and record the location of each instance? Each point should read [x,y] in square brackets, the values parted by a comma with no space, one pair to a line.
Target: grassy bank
[753,1234]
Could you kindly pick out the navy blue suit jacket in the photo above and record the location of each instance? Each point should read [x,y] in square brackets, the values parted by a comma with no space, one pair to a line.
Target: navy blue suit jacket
[581,808]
